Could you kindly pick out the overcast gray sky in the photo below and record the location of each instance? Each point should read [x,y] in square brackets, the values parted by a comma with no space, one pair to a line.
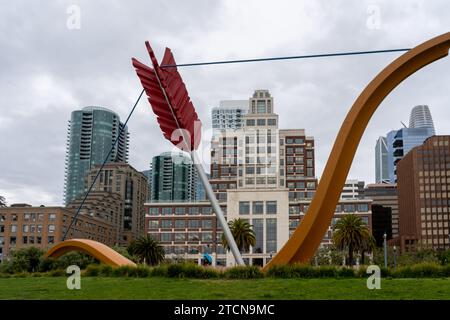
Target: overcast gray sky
[48,69]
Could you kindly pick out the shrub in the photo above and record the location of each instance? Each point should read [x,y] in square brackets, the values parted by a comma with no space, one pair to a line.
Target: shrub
[47,264]
[345,272]
[92,270]
[142,271]
[444,257]
[280,271]
[104,270]
[244,272]
[57,273]
[427,270]
[159,271]
[124,271]
[79,259]
[326,272]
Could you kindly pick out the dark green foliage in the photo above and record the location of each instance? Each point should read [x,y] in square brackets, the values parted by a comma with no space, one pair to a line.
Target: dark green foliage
[444,257]
[190,270]
[242,233]
[345,272]
[159,271]
[92,270]
[352,234]
[147,250]
[243,272]
[23,260]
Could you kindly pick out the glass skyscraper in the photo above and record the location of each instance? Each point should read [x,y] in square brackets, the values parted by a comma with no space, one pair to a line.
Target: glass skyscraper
[174,178]
[421,118]
[400,142]
[381,161]
[91,134]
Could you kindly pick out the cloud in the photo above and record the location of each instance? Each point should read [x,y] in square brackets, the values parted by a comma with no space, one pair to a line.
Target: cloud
[48,71]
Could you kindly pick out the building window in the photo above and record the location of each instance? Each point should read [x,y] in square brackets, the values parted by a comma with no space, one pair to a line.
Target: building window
[180,224]
[293,223]
[208,210]
[261,106]
[349,208]
[13,228]
[25,228]
[271,235]
[180,236]
[25,240]
[52,216]
[2,228]
[12,241]
[194,224]
[207,224]
[193,236]
[271,207]
[50,239]
[249,170]
[26,217]
[153,211]
[261,122]
[271,122]
[363,207]
[166,211]
[153,224]
[51,228]
[180,211]
[193,211]
[244,207]
[207,236]
[258,207]
[166,224]
[166,237]
[250,122]
[294,210]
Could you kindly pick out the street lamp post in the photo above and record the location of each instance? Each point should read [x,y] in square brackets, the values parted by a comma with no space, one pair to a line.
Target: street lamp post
[385,249]
[395,257]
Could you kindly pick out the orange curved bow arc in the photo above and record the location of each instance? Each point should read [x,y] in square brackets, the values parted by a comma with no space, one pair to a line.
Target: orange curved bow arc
[98,250]
[307,237]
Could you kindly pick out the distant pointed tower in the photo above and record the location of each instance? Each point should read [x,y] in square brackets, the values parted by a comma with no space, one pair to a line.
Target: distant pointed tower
[421,118]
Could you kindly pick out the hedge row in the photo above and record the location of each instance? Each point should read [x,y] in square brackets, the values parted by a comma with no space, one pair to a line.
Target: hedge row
[187,270]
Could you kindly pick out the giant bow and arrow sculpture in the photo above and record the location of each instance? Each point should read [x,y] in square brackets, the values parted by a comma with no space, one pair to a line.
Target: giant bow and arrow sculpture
[178,121]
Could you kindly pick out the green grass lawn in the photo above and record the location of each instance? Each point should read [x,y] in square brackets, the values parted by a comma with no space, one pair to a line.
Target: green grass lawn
[167,288]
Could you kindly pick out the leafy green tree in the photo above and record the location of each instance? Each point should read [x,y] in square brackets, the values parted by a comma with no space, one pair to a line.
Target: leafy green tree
[242,233]
[147,249]
[26,259]
[351,234]
[369,244]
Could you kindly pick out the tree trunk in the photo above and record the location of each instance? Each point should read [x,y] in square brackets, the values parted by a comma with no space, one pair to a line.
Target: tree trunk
[362,256]
[350,255]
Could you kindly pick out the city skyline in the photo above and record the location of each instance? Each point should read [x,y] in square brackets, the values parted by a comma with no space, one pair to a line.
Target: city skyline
[59,87]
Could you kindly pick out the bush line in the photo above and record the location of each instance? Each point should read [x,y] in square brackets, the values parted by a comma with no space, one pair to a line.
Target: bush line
[294,271]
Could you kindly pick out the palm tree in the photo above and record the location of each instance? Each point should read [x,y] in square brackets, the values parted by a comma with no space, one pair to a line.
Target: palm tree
[351,233]
[369,244]
[242,233]
[147,249]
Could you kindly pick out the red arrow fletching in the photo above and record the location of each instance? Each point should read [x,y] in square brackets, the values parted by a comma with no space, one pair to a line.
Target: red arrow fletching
[170,100]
